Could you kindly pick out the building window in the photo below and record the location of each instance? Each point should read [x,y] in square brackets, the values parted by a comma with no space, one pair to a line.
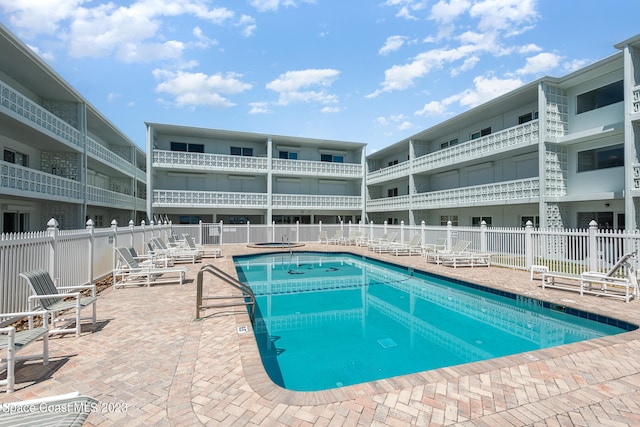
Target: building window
[476,221]
[449,143]
[331,158]
[601,158]
[291,155]
[444,220]
[185,147]
[601,97]
[15,157]
[393,162]
[481,133]
[392,192]
[241,151]
[527,117]
[604,220]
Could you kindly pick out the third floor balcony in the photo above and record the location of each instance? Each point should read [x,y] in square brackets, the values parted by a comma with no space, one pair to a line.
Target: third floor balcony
[316,168]
[207,162]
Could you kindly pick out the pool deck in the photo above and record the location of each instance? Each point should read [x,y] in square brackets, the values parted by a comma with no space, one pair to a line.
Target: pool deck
[149,363]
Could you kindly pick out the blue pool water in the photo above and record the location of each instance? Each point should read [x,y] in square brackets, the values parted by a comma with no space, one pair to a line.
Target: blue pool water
[330,320]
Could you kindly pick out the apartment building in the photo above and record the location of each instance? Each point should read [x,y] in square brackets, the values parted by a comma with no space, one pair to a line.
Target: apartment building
[212,175]
[558,152]
[61,159]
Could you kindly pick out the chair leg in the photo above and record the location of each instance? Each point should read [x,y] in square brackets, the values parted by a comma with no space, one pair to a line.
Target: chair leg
[11,355]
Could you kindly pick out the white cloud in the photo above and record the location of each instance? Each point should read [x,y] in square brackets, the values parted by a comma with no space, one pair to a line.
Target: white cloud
[444,12]
[330,110]
[273,5]
[259,108]
[131,33]
[292,86]
[195,89]
[392,44]
[540,63]
[406,8]
[574,65]
[405,125]
[248,24]
[509,16]
[485,90]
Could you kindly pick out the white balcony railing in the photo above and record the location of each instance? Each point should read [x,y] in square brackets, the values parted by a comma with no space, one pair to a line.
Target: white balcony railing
[320,202]
[636,99]
[389,204]
[21,181]
[208,199]
[478,148]
[100,152]
[102,197]
[390,173]
[524,190]
[207,161]
[39,117]
[307,167]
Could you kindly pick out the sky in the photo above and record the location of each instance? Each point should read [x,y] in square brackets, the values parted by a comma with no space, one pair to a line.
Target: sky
[372,71]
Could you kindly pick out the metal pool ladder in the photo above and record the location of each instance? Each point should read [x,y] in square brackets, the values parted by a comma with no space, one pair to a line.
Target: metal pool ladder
[249,299]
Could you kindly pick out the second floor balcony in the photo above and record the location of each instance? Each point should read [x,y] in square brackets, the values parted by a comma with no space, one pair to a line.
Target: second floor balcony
[208,199]
[516,191]
[316,202]
[24,182]
[101,197]
[389,173]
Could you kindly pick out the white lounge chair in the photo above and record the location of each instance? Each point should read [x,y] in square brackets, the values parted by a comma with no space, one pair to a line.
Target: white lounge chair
[459,248]
[610,283]
[47,295]
[129,272]
[157,246]
[466,259]
[65,410]
[439,245]
[411,248]
[337,238]
[204,251]
[323,238]
[382,245]
[13,341]
[353,238]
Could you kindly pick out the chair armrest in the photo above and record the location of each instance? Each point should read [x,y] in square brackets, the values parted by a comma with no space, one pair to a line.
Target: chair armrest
[24,313]
[67,295]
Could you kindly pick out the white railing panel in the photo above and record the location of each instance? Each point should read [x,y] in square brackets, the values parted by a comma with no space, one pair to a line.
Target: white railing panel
[307,167]
[526,133]
[168,198]
[103,197]
[208,162]
[14,102]
[16,179]
[401,170]
[312,201]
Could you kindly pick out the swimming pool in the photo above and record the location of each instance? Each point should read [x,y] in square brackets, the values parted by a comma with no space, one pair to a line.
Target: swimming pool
[331,320]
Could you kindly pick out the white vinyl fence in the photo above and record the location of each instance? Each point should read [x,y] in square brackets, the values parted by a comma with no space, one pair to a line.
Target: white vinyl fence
[77,257]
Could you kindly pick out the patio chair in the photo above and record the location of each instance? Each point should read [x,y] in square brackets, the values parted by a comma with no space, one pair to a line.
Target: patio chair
[383,244]
[15,341]
[466,259]
[411,248]
[64,410]
[129,272]
[323,238]
[149,258]
[178,254]
[609,282]
[205,252]
[457,249]
[353,238]
[48,296]
[337,238]
[439,245]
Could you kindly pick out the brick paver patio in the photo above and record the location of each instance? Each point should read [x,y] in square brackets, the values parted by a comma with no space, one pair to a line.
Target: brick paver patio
[149,363]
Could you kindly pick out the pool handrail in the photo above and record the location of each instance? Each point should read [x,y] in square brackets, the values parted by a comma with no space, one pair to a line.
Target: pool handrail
[246,292]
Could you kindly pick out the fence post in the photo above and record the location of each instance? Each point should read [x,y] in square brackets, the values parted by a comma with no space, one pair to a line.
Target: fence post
[402,231]
[114,257]
[528,245]
[248,232]
[593,246]
[92,244]
[483,237]
[297,231]
[423,233]
[385,227]
[220,232]
[52,230]
[144,232]
[449,234]
[370,230]
[132,233]
[200,229]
